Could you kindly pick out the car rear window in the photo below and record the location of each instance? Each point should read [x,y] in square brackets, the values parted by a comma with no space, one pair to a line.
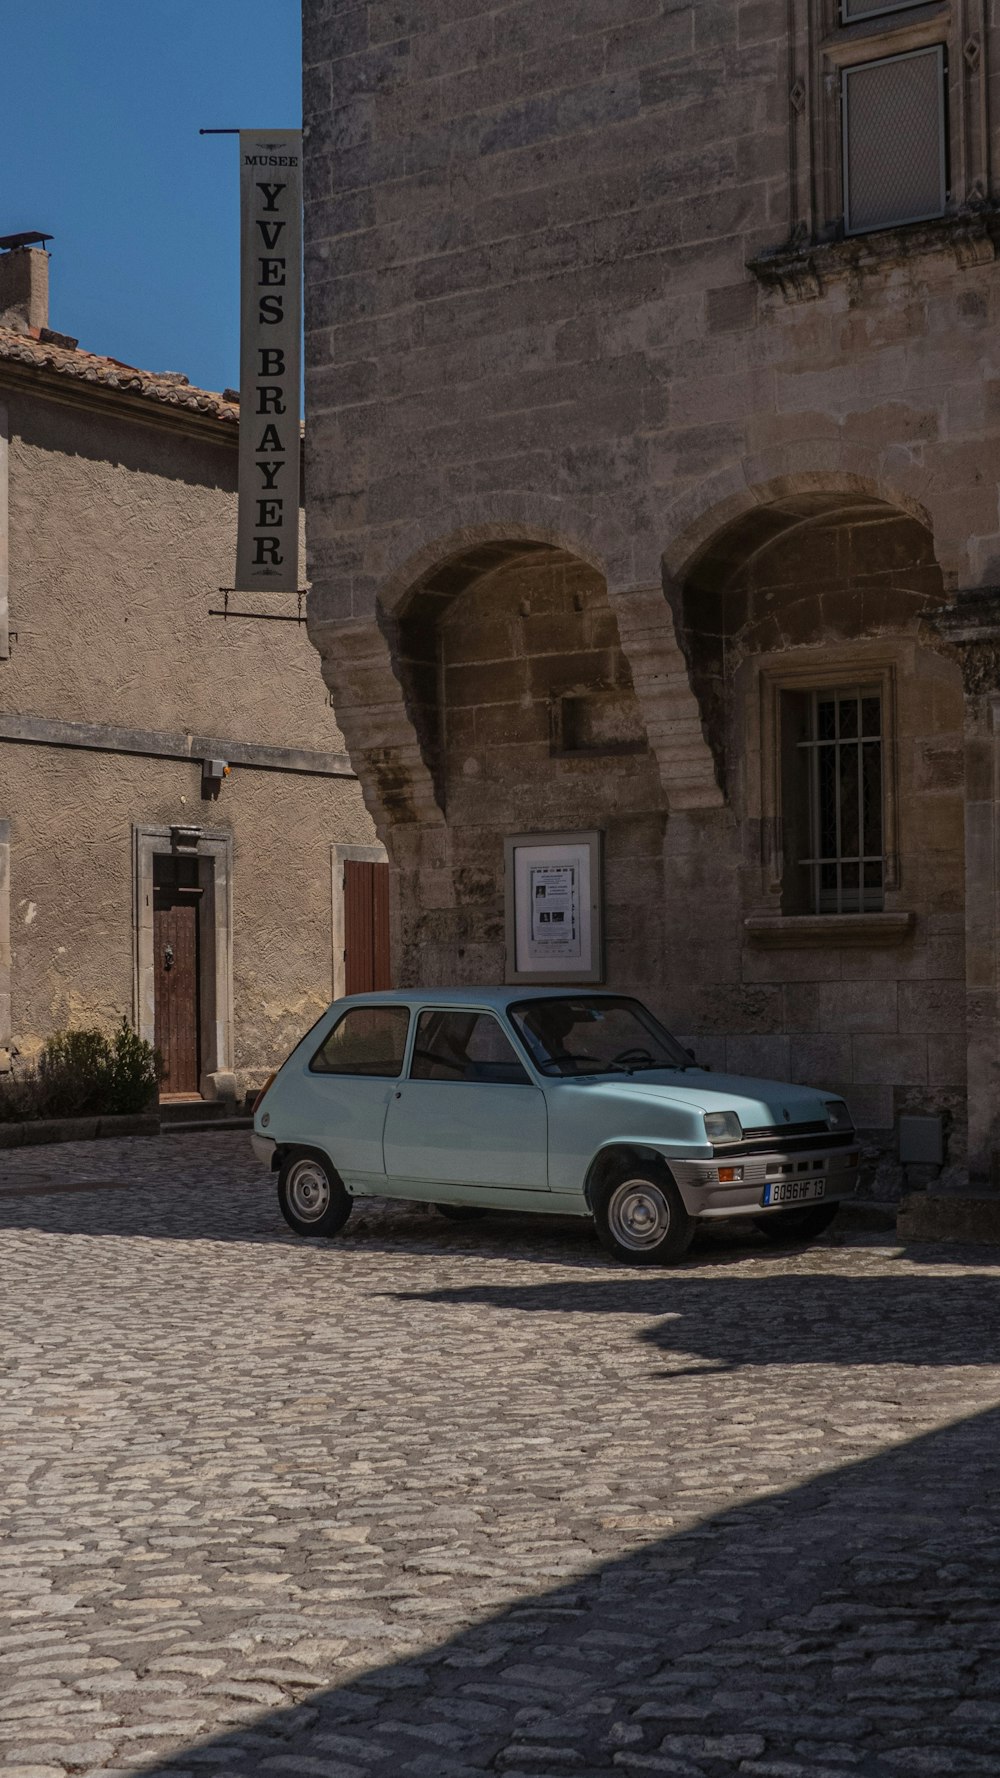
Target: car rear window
[365,1040]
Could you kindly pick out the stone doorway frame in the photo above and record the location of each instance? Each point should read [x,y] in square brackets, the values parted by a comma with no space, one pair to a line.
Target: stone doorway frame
[339,856]
[214,852]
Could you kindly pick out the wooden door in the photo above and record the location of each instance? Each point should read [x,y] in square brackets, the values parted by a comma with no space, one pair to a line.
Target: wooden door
[176,970]
[366,927]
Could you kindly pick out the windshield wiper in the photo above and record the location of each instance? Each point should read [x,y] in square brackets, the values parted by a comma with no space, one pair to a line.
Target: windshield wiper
[644,1067]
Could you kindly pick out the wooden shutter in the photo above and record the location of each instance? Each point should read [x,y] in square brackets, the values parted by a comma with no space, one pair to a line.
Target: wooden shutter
[366,927]
[895,161]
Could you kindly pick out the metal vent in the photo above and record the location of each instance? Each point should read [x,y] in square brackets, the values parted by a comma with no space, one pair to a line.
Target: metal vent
[869,9]
[895,160]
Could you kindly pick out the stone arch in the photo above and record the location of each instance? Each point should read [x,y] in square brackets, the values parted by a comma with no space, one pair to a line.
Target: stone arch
[803,562]
[730,496]
[512,677]
[568,635]
[489,542]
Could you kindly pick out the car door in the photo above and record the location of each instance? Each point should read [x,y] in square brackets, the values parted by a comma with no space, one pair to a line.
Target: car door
[469,1113]
[347,1085]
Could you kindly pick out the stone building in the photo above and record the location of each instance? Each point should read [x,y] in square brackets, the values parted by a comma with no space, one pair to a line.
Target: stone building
[137,877]
[653,388]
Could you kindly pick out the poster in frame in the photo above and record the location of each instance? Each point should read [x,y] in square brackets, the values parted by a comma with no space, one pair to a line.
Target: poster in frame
[554,907]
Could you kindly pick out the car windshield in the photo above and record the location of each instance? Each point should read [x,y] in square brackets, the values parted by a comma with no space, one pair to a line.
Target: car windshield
[594,1034]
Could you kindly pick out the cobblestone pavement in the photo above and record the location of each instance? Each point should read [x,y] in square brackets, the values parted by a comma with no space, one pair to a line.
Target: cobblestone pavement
[436,1500]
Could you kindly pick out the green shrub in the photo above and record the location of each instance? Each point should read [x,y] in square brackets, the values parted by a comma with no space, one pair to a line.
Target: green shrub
[84,1074]
[134,1073]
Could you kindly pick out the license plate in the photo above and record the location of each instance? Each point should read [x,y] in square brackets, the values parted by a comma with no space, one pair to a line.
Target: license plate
[793,1191]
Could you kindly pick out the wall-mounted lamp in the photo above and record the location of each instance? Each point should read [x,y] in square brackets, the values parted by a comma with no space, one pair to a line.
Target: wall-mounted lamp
[213,774]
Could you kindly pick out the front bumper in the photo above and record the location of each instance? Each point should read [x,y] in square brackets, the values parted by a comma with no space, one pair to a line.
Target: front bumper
[707,1198]
[264,1147]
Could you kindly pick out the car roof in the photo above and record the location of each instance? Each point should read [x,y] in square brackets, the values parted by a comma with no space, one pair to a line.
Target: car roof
[490,996]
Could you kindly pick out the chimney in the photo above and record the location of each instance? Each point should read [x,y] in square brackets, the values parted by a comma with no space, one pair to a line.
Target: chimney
[24,282]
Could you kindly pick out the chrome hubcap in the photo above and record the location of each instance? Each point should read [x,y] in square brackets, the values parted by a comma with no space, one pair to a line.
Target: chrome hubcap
[308,1191]
[638,1214]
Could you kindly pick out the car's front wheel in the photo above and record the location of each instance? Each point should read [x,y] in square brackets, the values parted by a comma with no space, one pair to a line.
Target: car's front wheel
[311,1195]
[641,1219]
[797,1225]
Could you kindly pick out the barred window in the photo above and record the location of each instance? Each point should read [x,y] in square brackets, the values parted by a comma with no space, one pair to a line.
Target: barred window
[894,140]
[840,772]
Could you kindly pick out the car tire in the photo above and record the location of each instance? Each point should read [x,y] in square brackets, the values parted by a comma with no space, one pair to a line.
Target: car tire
[461,1212]
[788,1226]
[640,1217]
[311,1194]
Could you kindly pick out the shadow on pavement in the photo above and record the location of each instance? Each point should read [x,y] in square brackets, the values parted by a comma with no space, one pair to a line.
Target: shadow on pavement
[762,1319]
[246,1210]
[850,1625]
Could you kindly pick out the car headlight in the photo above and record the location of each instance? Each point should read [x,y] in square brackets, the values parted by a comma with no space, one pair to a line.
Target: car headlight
[723,1126]
[837,1115]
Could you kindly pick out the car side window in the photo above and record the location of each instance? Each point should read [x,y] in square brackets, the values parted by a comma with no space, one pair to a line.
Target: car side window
[469,1046]
[366,1040]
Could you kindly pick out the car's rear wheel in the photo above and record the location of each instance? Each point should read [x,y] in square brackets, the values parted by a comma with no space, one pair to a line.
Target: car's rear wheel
[311,1194]
[788,1226]
[641,1219]
[461,1212]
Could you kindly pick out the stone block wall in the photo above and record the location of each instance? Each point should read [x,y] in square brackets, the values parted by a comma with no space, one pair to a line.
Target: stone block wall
[532,322]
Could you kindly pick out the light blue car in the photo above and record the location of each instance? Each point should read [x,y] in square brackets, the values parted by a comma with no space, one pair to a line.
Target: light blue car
[578,1104]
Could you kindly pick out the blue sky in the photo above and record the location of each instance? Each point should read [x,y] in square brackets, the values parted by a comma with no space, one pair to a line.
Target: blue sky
[103,100]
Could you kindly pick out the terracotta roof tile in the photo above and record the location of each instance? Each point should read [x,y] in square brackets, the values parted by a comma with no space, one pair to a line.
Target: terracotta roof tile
[171,389]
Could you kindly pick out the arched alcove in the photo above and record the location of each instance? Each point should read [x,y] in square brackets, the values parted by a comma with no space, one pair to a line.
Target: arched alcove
[800,571]
[515,681]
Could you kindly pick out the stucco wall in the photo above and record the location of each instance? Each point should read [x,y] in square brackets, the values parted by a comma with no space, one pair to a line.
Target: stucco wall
[120,534]
[71,889]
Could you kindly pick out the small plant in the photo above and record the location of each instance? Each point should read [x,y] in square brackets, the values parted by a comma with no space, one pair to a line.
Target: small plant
[135,1072]
[84,1074]
[73,1073]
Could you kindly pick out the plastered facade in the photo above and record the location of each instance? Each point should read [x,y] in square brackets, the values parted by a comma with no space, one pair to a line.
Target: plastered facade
[121,529]
[574,283]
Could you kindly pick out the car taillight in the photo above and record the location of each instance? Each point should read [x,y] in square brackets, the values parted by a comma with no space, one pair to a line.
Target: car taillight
[269,1082]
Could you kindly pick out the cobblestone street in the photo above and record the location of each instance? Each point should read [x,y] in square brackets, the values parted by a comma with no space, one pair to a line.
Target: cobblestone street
[440,1500]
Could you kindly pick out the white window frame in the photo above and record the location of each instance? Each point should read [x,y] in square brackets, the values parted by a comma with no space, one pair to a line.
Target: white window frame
[859,67]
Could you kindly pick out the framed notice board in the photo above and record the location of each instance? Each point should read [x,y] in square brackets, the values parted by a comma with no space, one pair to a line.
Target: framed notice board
[554,899]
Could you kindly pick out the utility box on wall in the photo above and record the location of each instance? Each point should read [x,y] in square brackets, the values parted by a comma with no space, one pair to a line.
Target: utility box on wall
[921,1141]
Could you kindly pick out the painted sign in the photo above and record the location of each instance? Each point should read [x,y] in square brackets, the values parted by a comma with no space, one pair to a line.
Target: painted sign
[267,543]
[554,891]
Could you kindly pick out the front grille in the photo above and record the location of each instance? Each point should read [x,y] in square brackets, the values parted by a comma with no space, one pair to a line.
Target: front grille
[815,1129]
[786,1142]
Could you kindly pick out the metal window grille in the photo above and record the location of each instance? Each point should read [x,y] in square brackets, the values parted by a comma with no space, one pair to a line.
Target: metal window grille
[895,151]
[869,9]
[842,757]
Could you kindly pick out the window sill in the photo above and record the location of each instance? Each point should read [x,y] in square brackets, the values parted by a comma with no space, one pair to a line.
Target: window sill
[803,270]
[817,930]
